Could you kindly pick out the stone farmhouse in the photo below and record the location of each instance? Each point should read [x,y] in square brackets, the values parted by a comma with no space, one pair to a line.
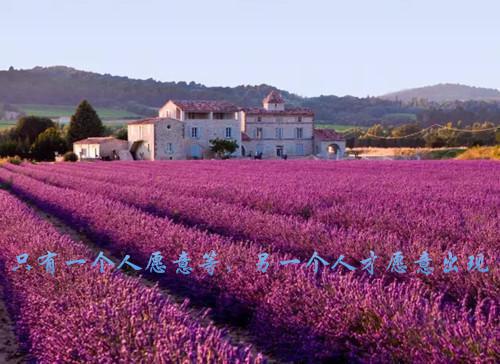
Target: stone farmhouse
[183,130]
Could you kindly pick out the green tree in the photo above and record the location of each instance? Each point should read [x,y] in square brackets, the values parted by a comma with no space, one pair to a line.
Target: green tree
[85,123]
[70,157]
[8,148]
[377,130]
[29,127]
[47,143]
[223,147]
[121,134]
[405,129]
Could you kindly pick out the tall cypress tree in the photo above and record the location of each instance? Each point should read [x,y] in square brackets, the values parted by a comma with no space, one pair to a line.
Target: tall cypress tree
[85,123]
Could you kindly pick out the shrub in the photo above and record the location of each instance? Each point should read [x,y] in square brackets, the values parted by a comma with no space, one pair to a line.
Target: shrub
[70,157]
[15,160]
[47,143]
[223,147]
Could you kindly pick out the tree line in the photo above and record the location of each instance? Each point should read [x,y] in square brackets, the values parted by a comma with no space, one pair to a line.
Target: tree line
[414,135]
[67,86]
[39,138]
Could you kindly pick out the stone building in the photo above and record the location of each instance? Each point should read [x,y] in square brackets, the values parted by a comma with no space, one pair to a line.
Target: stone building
[157,139]
[184,129]
[99,148]
[328,144]
[275,131]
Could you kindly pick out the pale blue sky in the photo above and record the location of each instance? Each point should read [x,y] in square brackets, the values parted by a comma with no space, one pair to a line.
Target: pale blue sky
[310,47]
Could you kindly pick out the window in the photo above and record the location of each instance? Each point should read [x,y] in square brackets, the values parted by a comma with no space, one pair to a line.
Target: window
[299,149]
[259,134]
[198,115]
[141,131]
[228,133]
[178,113]
[84,152]
[299,119]
[169,148]
[299,133]
[218,115]
[279,133]
[259,118]
[194,133]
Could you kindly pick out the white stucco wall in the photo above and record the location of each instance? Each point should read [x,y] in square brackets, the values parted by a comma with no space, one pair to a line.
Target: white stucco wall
[144,132]
[211,129]
[99,150]
[91,151]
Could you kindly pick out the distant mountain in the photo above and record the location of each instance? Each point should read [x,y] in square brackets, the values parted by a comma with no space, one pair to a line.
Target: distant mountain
[445,92]
[61,85]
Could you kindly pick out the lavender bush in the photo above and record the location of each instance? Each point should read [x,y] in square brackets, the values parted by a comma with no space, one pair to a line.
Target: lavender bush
[81,315]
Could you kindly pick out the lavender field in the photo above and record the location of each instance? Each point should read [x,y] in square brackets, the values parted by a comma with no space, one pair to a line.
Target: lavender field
[294,241]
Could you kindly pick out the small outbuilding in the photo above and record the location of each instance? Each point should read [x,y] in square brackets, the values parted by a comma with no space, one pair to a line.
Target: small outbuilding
[99,148]
[328,144]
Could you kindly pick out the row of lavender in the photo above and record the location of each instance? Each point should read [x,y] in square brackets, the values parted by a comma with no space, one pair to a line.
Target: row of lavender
[460,229]
[80,315]
[397,198]
[325,316]
[304,188]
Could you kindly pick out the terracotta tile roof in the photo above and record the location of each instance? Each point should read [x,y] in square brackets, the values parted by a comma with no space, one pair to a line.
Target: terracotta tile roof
[327,134]
[245,137]
[274,97]
[95,140]
[287,112]
[206,106]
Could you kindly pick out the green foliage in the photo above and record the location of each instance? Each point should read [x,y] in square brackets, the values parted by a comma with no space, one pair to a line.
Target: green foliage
[70,157]
[377,130]
[56,111]
[16,160]
[405,130]
[66,86]
[84,123]
[121,134]
[223,147]
[444,154]
[8,148]
[413,136]
[47,143]
[29,127]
